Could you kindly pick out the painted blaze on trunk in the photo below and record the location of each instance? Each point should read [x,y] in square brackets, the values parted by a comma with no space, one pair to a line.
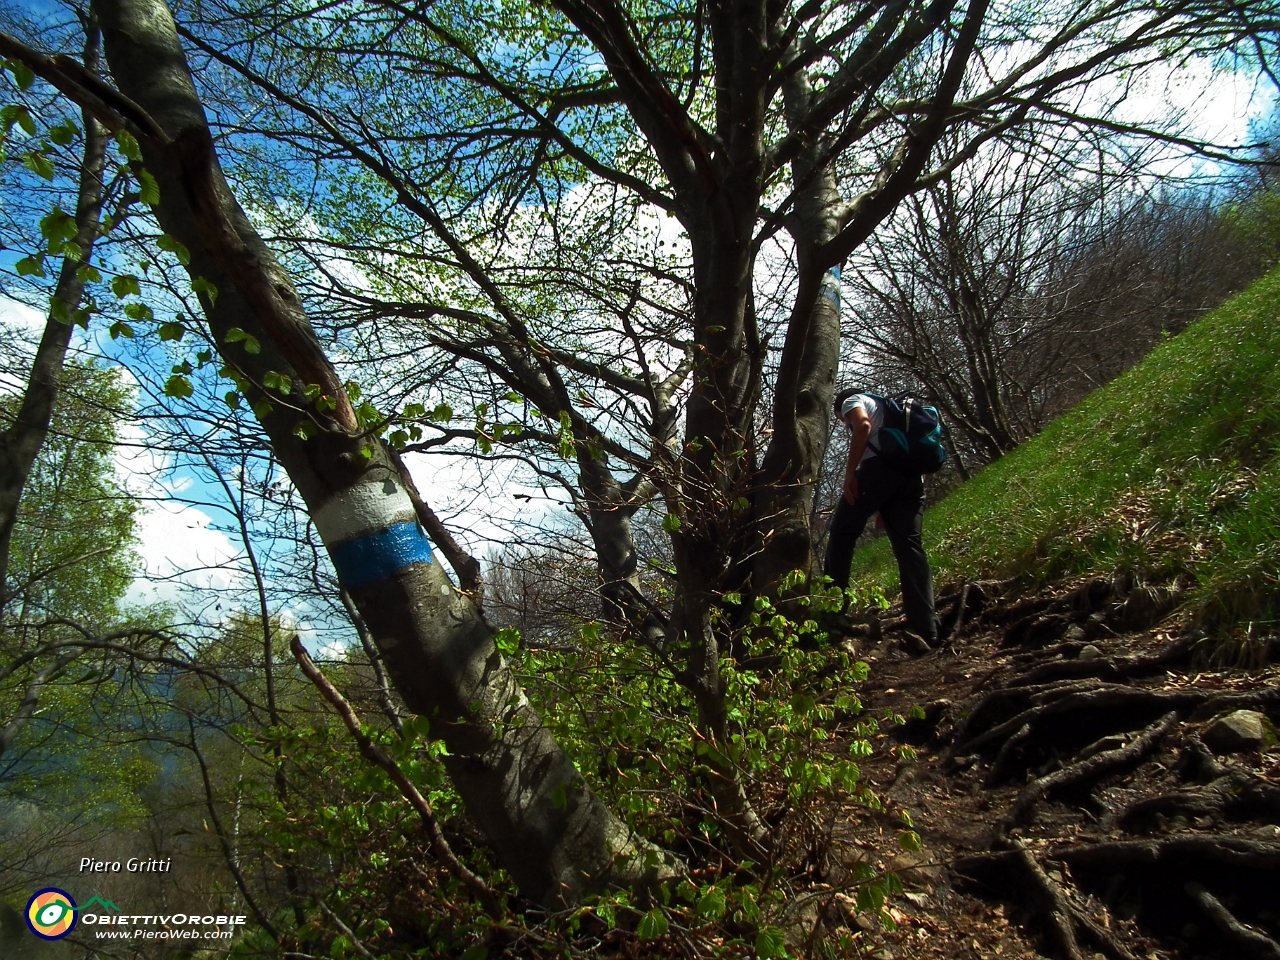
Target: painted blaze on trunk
[554,836]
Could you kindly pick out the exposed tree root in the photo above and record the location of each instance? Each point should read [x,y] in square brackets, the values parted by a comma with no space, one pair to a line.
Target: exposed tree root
[1084,715]
[1076,729]
[1086,771]
[1108,668]
[1244,938]
[1236,852]
[1065,717]
[1235,796]
[1018,872]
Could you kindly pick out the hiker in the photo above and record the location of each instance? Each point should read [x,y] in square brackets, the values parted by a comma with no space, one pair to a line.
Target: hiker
[878,481]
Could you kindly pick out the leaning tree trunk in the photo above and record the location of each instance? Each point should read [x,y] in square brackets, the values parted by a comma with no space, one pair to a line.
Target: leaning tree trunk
[548,829]
[21,442]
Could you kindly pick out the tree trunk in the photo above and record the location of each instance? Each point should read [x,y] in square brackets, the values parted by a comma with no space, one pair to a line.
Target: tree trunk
[21,443]
[807,369]
[548,829]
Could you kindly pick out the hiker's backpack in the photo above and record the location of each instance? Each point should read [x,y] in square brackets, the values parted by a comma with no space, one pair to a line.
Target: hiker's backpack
[910,437]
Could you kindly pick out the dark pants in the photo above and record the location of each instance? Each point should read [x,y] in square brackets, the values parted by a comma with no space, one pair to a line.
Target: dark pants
[899,499]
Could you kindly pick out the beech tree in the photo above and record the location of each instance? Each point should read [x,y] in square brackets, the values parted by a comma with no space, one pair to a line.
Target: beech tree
[742,121]
[745,122]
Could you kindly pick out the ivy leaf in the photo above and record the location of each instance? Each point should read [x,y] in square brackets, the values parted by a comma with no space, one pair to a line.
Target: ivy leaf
[652,924]
[770,943]
[178,386]
[170,245]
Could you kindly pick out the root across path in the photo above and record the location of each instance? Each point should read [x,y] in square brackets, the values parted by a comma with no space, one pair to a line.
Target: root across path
[1088,782]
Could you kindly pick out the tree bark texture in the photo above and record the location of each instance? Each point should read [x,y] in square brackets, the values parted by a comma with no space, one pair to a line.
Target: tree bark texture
[556,838]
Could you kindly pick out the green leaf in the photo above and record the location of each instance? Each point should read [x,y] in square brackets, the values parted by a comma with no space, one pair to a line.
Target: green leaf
[770,943]
[251,345]
[129,148]
[122,329]
[170,245]
[88,274]
[711,905]
[31,266]
[63,133]
[22,74]
[262,409]
[58,226]
[38,164]
[201,285]
[671,523]
[178,386]
[139,311]
[232,399]
[148,189]
[652,924]
[173,330]
[304,429]
[124,285]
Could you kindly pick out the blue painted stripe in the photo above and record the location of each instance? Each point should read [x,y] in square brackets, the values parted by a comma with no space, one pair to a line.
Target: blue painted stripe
[831,286]
[368,559]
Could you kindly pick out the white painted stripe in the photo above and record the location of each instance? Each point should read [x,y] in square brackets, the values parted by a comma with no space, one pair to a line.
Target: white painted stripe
[360,511]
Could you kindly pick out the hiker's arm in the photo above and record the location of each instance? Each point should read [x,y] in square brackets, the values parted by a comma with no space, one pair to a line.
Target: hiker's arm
[860,424]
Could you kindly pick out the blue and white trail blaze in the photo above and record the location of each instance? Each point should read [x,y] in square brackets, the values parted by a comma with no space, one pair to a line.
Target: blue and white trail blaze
[372,532]
[831,286]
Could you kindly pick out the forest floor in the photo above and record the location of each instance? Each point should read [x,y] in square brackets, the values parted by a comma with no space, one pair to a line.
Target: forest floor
[1076,790]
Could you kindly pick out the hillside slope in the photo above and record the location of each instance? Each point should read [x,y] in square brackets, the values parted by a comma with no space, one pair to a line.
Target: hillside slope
[1170,473]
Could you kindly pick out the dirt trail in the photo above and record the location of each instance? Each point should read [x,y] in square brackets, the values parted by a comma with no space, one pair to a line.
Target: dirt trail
[1076,790]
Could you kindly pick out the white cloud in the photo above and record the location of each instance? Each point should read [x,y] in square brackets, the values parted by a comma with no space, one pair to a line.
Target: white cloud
[180,552]
[178,545]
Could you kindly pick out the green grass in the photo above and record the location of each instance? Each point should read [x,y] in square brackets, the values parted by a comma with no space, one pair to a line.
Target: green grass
[1171,470]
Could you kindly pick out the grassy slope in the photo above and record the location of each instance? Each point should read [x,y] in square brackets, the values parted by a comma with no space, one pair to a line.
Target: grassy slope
[1170,469]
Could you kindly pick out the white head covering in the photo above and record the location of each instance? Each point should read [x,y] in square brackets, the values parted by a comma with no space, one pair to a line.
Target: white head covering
[849,404]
